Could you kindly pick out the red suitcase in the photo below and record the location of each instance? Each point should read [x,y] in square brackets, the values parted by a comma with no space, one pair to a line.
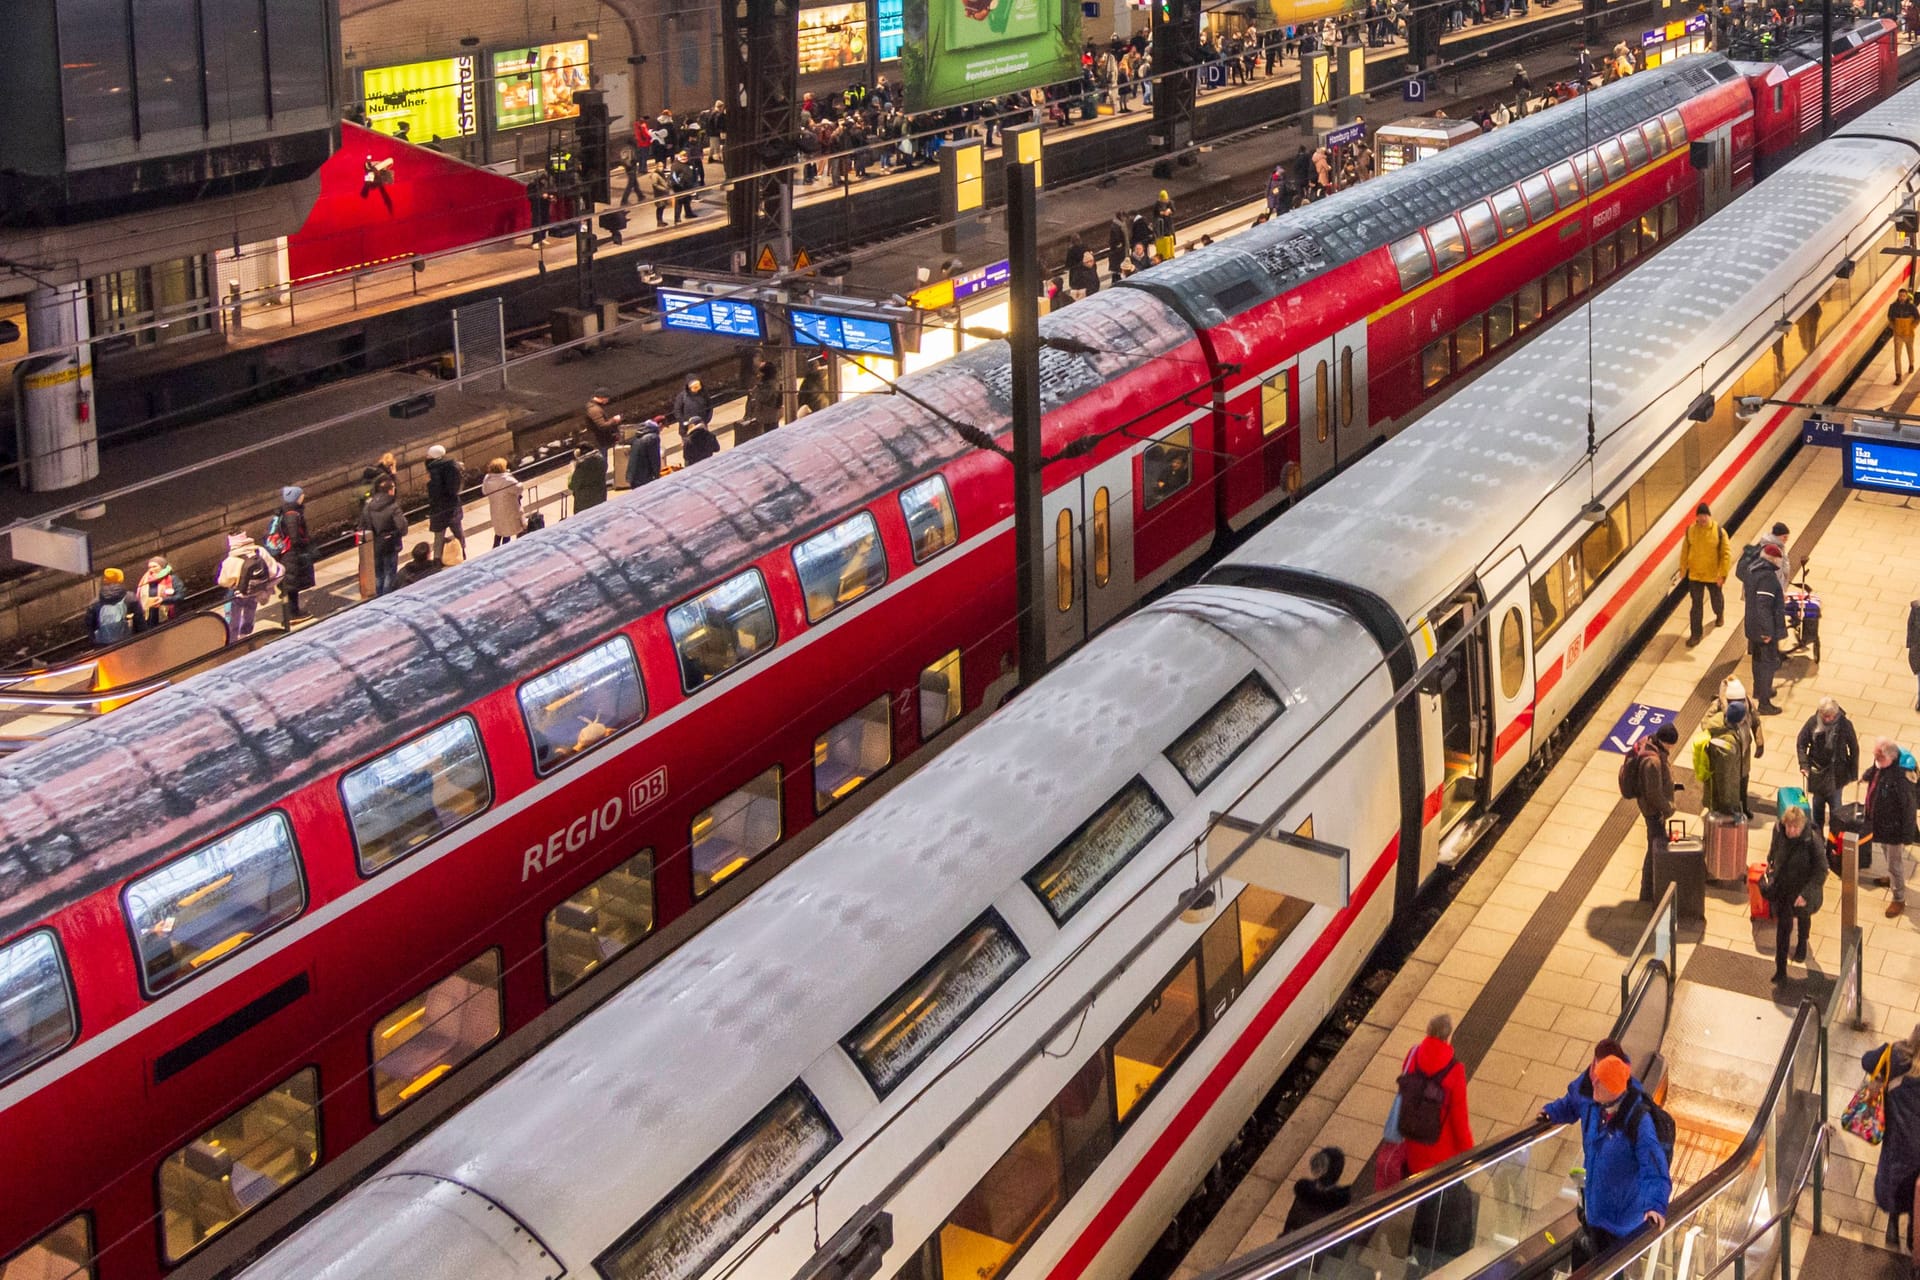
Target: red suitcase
[1757,906]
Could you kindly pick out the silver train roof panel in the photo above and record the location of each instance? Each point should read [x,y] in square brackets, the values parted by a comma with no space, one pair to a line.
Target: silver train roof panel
[102,799]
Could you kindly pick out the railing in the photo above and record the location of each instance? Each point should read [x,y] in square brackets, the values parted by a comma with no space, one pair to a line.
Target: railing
[1656,942]
[1844,1001]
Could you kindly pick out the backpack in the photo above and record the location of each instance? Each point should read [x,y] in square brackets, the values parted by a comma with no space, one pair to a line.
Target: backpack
[258,573]
[1630,771]
[115,622]
[277,540]
[1663,1127]
[1423,1104]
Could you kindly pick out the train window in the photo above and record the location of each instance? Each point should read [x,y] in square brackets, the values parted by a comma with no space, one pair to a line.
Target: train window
[1273,402]
[1566,184]
[582,702]
[740,827]
[1575,585]
[1102,537]
[1556,288]
[1155,1039]
[1512,210]
[1094,854]
[37,1018]
[708,1213]
[1267,918]
[1218,737]
[599,922]
[1410,257]
[239,1164]
[1650,228]
[1593,171]
[1613,158]
[1539,194]
[1449,243]
[1629,239]
[1513,657]
[420,1043]
[1500,324]
[1605,258]
[1220,961]
[1779,98]
[64,1253]
[1670,218]
[931,523]
[1603,545]
[1676,128]
[1346,386]
[1636,148]
[1166,467]
[1655,139]
[850,753]
[1469,343]
[201,908]
[1549,604]
[1436,363]
[718,630]
[1063,561]
[917,1018]
[1528,306]
[841,565]
[1579,274]
[1321,402]
[1482,231]
[942,696]
[416,792]
[1664,482]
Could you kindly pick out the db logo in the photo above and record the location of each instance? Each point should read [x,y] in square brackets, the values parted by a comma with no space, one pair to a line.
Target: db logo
[646,791]
[588,827]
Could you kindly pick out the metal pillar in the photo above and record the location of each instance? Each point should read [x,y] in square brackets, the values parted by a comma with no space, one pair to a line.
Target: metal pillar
[1826,68]
[1021,146]
[1176,64]
[763,127]
[58,440]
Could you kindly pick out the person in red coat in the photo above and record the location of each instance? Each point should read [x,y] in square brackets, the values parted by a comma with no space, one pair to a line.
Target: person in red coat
[1433,1056]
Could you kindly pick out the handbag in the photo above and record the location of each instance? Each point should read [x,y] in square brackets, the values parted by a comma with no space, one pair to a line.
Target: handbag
[1865,1116]
[1389,1166]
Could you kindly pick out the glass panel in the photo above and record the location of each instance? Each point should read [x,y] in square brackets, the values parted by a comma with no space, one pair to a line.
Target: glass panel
[1321,402]
[239,1164]
[96,73]
[599,922]
[1575,585]
[1500,324]
[717,631]
[1556,284]
[420,1043]
[841,565]
[1670,218]
[1436,363]
[36,1003]
[1513,213]
[1593,171]
[1008,1208]
[1410,256]
[1629,242]
[1267,918]
[1482,232]
[167,36]
[1166,467]
[1149,1045]
[236,62]
[711,1210]
[1676,128]
[1539,194]
[1094,853]
[399,801]
[1063,561]
[931,522]
[1513,657]
[913,1022]
[1449,243]
[1102,537]
[1528,306]
[582,702]
[1650,228]
[1273,402]
[1549,603]
[739,828]
[209,904]
[1566,186]
[1469,343]
[1603,544]
[1613,158]
[1220,961]
[1346,386]
[941,695]
[1655,139]
[297,42]
[1636,148]
[851,752]
[1603,258]
[64,1253]
[1219,736]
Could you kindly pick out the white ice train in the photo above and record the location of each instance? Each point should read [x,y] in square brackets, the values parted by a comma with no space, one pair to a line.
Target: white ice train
[897,1022]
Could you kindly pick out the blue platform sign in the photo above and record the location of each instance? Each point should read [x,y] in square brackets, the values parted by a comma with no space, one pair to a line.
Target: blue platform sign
[1347,134]
[1414,89]
[857,335]
[1640,722]
[1817,430]
[697,313]
[1880,465]
[1215,73]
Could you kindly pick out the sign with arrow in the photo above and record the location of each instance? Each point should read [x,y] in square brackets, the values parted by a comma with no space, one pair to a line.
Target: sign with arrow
[1639,722]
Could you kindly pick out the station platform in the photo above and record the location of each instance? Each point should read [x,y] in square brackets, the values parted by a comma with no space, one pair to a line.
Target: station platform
[1528,957]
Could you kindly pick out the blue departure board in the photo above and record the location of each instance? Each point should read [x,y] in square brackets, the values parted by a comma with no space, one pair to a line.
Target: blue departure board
[697,313]
[1882,466]
[856,335]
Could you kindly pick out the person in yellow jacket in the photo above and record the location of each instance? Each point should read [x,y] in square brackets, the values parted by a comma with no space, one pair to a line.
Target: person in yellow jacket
[1706,557]
[1903,315]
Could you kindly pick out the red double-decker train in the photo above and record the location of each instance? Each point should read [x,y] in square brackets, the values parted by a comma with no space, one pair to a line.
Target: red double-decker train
[263,927]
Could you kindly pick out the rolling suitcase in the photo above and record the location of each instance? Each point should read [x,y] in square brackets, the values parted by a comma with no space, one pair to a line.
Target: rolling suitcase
[617,467]
[1757,905]
[1682,865]
[1788,798]
[1725,845]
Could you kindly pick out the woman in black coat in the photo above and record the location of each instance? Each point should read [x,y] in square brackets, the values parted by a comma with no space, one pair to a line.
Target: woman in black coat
[1796,874]
[1899,1164]
[1890,816]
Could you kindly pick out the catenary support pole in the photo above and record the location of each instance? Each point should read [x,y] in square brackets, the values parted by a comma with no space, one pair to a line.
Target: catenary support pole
[1826,68]
[1021,146]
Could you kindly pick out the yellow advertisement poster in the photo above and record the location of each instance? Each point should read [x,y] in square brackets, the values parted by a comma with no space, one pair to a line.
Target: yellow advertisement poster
[421,101]
[534,85]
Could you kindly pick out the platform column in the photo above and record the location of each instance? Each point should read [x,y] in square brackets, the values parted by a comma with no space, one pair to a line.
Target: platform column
[1176,60]
[58,443]
[763,131]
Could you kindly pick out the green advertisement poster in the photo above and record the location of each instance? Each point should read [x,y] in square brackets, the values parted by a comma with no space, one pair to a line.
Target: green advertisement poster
[964,50]
[535,85]
[432,99]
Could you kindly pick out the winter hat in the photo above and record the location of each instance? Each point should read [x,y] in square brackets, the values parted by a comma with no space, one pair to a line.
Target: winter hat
[1734,691]
[1703,510]
[437,451]
[1771,550]
[292,494]
[601,393]
[112,575]
[1611,1077]
[235,541]
[1667,733]
[1736,712]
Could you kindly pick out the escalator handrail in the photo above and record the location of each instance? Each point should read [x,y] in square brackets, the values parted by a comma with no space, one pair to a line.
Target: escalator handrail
[10,701]
[1786,1214]
[77,666]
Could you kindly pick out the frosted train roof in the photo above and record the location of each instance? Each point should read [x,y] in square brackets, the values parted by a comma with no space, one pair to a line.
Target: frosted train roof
[1265,261]
[103,798]
[1426,509]
[727,1022]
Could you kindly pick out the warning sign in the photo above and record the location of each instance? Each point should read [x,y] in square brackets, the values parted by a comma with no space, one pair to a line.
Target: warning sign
[801,261]
[766,262]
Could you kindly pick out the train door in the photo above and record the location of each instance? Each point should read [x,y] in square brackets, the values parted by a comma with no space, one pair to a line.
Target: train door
[1353,432]
[1509,641]
[1318,366]
[1087,548]
[1717,174]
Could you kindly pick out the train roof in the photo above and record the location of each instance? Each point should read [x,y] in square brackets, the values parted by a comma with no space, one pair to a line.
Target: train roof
[106,798]
[729,1020]
[1431,507]
[1260,264]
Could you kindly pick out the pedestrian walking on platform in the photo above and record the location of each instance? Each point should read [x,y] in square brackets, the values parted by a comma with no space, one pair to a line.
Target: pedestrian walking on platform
[1629,1178]
[385,523]
[158,595]
[249,574]
[445,515]
[1902,316]
[291,543]
[1829,754]
[1646,778]
[1705,559]
[1913,642]
[1898,1168]
[1430,1104]
[1765,620]
[588,483]
[1890,817]
[1795,883]
[1163,226]
[113,615]
[503,494]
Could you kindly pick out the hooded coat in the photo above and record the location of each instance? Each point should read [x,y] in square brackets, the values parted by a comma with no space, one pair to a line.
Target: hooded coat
[1434,1056]
[503,504]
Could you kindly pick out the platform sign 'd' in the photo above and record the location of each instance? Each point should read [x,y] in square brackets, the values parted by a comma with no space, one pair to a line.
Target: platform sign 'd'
[1638,723]
[697,313]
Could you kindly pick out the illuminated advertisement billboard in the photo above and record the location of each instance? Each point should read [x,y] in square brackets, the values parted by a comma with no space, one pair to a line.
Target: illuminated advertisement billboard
[531,86]
[958,51]
[432,99]
[833,36]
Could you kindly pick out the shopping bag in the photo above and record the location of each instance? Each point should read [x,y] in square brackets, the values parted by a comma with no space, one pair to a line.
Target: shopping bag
[1389,1166]
[1866,1114]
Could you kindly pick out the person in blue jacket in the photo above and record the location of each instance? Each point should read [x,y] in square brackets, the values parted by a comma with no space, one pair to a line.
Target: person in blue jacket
[1628,1182]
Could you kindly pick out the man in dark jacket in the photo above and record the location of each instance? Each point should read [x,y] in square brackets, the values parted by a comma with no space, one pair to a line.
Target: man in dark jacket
[292,545]
[1890,821]
[1628,1179]
[643,454]
[1117,247]
[1829,753]
[691,405]
[444,512]
[588,483]
[1796,875]
[763,405]
[383,521]
[1654,795]
[603,427]
[1766,621]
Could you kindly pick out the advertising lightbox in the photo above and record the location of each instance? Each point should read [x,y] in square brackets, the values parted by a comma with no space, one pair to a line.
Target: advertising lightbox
[532,86]
[958,51]
[433,99]
[832,37]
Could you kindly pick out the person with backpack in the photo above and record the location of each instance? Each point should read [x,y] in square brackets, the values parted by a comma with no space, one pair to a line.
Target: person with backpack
[1766,619]
[1629,1156]
[289,542]
[1430,1101]
[1829,752]
[1646,778]
[112,616]
[249,573]
[445,515]
[158,595]
[1794,884]
[383,521]
[1890,817]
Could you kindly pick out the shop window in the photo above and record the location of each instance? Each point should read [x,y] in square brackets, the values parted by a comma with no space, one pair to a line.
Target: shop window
[416,792]
[1529,304]
[1556,288]
[1566,184]
[1217,738]
[850,753]
[1513,655]
[1155,1039]
[153,304]
[1436,362]
[841,565]
[1512,210]
[1449,244]
[1268,919]
[1220,961]
[918,1017]
[1539,196]
[1081,864]
[1273,402]
[1166,467]
[239,1164]
[721,628]
[420,1043]
[582,703]
[1410,257]
[64,1253]
[1500,324]
[201,908]
[1603,545]
[1346,386]
[739,827]
[599,922]
[1469,344]
[942,696]
[931,523]
[1063,583]
[1482,231]
[1322,400]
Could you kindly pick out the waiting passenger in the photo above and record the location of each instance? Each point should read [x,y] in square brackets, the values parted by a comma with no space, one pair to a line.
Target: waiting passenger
[503,502]
[420,564]
[698,443]
[1899,1164]
[112,617]
[1890,816]
[1903,315]
[158,594]
[588,483]
[1766,620]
